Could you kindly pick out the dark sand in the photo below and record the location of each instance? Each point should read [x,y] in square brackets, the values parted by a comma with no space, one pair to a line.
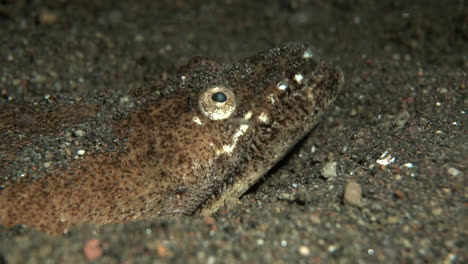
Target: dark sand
[405,95]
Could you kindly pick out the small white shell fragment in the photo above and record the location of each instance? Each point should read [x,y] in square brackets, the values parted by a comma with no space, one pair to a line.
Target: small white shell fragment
[329,170]
[81,152]
[332,248]
[385,159]
[408,165]
[260,242]
[454,172]
[304,251]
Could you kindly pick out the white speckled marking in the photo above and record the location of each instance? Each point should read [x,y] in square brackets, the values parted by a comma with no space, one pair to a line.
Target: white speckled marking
[272,98]
[230,148]
[197,120]
[248,115]
[282,85]
[298,77]
[263,117]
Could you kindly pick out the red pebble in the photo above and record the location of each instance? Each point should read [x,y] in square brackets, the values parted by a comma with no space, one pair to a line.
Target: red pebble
[92,249]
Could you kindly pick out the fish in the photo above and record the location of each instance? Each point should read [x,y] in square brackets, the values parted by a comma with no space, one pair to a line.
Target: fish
[219,130]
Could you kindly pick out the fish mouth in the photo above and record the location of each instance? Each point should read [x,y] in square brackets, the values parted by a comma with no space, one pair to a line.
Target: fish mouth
[340,77]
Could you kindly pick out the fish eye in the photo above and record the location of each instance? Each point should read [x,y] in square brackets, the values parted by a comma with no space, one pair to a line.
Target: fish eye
[219,97]
[217,102]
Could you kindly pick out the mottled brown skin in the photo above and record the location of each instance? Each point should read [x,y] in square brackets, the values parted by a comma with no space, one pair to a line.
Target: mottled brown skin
[175,166]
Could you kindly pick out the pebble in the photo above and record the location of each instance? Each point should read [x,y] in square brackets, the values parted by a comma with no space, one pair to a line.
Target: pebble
[78,133]
[399,194]
[315,218]
[286,197]
[353,194]
[47,17]
[437,211]
[81,152]
[393,219]
[304,251]
[92,249]
[124,99]
[162,250]
[454,172]
[209,220]
[401,119]
[329,170]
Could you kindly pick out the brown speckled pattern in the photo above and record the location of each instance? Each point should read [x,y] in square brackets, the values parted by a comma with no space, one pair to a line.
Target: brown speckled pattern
[170,166]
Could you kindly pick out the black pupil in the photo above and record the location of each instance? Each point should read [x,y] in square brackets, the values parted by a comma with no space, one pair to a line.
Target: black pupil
[219,97]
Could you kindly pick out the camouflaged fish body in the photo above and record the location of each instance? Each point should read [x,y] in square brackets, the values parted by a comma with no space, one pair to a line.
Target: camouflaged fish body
[223,128]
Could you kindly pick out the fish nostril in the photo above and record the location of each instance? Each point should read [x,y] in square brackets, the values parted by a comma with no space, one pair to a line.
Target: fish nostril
[283,85]
[312,59]
[311,54]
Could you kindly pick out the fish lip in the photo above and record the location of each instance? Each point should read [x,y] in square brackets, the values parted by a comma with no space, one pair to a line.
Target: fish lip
[341,78]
